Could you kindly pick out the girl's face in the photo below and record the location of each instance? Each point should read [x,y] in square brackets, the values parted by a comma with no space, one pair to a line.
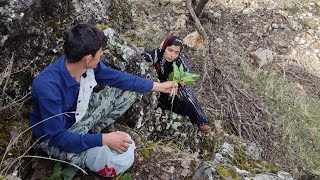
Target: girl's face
[171,53]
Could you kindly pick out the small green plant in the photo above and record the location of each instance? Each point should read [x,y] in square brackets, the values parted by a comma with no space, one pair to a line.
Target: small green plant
[180,76]
[126,176]
[60,173]
[57,172]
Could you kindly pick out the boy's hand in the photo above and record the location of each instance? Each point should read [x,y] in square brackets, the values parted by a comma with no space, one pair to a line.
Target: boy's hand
[182,84]
[165,87]
[116,141]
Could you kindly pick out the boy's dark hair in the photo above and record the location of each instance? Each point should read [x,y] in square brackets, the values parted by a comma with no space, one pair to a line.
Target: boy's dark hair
[82,40]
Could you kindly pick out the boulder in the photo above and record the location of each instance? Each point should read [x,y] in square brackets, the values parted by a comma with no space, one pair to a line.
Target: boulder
[262,56]
[194,40]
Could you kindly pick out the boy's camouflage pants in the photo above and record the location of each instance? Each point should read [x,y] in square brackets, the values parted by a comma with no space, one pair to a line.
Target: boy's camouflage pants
[105,107]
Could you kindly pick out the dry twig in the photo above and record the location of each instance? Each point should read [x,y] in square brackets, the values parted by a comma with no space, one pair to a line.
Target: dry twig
[203,33]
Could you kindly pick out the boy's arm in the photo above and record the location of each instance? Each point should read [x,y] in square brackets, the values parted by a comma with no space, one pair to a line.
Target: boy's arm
[54,127]
[109,77]
[126,81]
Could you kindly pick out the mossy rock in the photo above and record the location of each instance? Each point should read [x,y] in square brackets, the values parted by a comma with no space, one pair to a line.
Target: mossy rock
[226,173]
[146,152]
[209,144]
[172,145]
[241,160]
[101,26]
[207,157]
[120,16]
[269,167]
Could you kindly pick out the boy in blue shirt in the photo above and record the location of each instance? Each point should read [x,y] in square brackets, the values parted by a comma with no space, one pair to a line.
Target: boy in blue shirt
[65,109]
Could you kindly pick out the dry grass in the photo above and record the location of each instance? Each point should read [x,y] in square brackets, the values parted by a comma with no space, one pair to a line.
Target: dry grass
[289,96]
[27,147]
[295,114]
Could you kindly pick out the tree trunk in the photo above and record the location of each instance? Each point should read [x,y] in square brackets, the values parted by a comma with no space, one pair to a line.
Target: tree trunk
[200,7]
[194,3]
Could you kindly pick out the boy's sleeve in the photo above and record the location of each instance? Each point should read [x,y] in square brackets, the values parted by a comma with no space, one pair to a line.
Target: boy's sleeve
[55,124]
[109,77]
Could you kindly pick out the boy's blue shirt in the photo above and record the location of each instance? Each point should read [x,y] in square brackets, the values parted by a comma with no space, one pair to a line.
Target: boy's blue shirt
[55,92]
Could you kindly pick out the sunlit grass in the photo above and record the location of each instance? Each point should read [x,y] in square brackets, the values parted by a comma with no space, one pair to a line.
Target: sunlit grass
[298,6]
[297,115]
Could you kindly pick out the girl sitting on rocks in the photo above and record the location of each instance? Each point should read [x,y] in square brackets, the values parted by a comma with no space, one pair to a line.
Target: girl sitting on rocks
[185,102]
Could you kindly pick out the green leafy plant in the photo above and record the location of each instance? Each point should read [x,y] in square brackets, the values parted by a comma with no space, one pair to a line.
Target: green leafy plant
[180,76]
[126,176]
[57,172]
[60,173]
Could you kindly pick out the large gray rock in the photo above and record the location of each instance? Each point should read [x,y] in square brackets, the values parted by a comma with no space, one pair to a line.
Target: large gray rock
[253,151]
[266,176]
[262,56]
[207,171]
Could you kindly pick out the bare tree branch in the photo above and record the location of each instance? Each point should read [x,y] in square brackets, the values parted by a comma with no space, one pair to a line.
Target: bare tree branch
[200,7]
[205,40]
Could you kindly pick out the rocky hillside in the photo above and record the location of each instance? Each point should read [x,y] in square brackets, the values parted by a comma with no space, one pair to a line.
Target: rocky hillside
[260,86]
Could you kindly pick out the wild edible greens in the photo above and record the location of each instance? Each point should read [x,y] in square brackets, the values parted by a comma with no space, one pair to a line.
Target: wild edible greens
[180,76]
